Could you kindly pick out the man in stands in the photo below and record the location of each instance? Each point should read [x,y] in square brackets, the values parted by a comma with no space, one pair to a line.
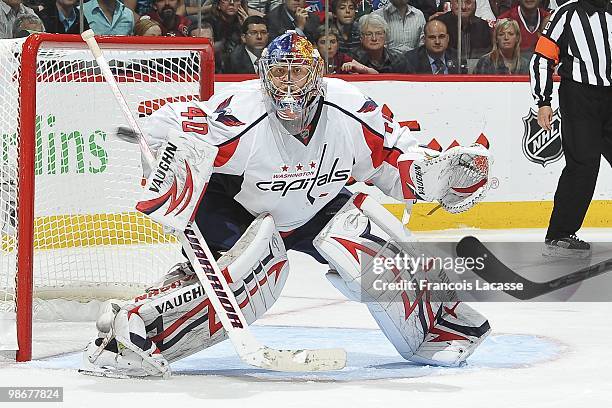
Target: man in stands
[293,15]
[9,11]
[62,17]
[109,17]
[405,25]
[205,30]
[433,57]
[475,32]
[27,24]
[244,59]
[173,25]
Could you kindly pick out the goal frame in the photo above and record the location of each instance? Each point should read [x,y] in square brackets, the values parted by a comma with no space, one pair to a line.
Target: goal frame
[27,122]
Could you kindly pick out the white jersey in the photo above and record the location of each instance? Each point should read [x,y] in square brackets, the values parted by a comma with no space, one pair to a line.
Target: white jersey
[351,136]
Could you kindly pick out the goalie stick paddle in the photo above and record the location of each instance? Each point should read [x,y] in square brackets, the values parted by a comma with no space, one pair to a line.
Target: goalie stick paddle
[223,301]
[496,271]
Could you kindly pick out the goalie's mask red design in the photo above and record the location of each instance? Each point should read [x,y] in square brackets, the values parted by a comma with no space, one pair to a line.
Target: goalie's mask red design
[291,71]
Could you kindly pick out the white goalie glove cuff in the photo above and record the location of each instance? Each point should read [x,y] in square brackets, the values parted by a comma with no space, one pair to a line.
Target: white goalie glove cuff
[457,178]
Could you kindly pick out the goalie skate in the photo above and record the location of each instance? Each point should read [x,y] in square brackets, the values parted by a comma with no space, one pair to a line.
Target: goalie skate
[118,353]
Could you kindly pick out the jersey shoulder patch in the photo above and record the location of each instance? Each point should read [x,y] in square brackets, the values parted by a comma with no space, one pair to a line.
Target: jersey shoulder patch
[236,108]
[349,99]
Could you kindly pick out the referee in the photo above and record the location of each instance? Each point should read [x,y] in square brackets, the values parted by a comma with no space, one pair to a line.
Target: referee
[577,39]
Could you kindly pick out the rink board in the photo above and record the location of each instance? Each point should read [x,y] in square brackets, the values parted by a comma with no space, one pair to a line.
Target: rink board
[521,191]
[461,108]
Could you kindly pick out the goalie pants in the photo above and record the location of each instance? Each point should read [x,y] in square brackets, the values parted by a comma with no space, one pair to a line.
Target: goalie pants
[222,220]
[586,130]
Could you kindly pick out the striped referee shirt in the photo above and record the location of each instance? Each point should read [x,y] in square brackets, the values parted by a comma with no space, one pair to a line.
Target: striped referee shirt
[577,38]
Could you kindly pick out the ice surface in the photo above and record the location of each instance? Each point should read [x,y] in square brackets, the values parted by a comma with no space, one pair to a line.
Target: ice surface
[539,355]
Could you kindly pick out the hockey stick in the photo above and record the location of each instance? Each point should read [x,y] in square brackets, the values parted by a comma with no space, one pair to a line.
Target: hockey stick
[496,271]
[223,301]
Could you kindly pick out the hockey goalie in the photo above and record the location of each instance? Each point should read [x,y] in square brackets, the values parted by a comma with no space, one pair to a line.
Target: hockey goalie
[286,145]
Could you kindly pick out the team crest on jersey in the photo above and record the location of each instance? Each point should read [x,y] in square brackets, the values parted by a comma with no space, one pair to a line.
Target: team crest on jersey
[224,114]
[368,106]
[540,146]
[301,177]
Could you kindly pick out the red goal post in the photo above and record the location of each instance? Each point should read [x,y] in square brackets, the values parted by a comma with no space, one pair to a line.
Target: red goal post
[60,249]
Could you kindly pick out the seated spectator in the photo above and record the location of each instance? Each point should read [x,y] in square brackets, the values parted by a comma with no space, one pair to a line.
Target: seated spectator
[226,19]
[405,24]
[27,24]
[173,25]
[529,15]
[140,7]
[344,21]
[475,32]
[194,7]
[205,30]
[147,27]
[499,7]
[263,6]
[373,53]
[431,8]
[292,15]
[109,17]
[363,7]
[337,62]
[484,9]
[62,17]
[318,8]
[433,57]
[10,10]
[244,58]
[505,58]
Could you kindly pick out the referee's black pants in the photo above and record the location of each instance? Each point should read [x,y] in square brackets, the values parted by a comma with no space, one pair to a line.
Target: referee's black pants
[586,132]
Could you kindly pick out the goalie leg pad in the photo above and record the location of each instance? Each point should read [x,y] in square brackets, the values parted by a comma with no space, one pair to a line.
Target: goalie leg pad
[422,329]
[177,316]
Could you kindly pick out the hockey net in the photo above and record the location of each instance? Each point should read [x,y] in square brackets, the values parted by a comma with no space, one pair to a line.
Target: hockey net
[68,188]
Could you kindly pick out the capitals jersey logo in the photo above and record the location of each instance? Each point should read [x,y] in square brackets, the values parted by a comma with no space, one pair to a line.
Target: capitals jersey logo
[306,179]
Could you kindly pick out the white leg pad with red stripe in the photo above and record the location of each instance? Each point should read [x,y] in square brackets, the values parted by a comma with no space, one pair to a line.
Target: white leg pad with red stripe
[175,315]
[422,329]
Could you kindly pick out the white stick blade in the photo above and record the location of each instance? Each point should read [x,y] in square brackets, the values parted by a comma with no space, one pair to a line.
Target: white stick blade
[298,360]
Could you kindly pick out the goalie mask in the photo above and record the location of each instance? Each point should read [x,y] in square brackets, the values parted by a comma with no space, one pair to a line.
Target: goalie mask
[290,69]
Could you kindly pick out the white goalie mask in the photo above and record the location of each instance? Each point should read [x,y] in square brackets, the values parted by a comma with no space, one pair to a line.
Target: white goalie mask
[291,70]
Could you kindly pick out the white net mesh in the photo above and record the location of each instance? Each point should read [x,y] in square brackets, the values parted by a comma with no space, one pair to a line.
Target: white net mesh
[89,242]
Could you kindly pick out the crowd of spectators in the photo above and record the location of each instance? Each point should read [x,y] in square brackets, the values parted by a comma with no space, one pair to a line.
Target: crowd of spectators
[356,36]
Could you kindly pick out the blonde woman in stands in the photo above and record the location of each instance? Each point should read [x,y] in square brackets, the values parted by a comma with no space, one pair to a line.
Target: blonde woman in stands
[505,57]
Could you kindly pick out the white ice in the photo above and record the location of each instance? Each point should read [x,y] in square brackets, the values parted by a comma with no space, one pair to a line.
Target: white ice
[539,355]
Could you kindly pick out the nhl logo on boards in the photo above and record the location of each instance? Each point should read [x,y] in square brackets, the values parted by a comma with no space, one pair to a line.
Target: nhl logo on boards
[540,146]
